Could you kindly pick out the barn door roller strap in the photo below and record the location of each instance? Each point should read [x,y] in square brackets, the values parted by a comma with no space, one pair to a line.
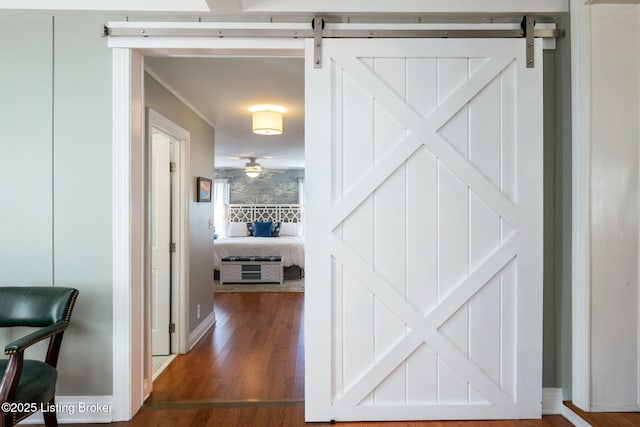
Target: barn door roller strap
[528,24]
[318,26]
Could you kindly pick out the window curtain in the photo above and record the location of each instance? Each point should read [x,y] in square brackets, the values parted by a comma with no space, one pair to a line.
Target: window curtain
[220,204]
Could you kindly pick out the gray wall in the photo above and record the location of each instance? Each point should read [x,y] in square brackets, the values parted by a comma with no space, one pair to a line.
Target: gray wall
[562,209]
[202,156]
[55,219]
[277,186]
[556,370]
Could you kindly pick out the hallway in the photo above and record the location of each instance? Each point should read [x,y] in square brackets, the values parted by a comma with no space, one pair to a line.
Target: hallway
[255,351]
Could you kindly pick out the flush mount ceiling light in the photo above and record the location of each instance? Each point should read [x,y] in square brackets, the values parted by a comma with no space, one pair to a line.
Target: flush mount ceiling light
[252,168]
[267,119]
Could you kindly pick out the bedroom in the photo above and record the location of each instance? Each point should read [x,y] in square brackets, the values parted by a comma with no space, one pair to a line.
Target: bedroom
[221,91]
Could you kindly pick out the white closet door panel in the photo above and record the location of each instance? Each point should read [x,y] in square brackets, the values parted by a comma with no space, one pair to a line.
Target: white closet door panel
[358,329]
[484,131]
[389,331]
[388,131]
[484,231]
[453,231]
[426,165]
[508,328]
[390,230]
[452,388]
[422,77]
[422,231]
[358,129]
[452,73]
[508,132]
[484,329]
[358,231]
[422,377]
[456,329]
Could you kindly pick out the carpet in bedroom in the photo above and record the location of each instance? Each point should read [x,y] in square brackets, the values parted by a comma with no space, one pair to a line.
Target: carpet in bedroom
[287,286]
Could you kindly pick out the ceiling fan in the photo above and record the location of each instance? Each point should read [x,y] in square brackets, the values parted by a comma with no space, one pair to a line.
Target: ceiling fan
[252,168]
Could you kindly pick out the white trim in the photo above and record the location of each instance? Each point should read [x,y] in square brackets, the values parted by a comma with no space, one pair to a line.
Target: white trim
[551,401]
[79,410]
[574,418]
[184,245]
[121,232]
[164,366]
[177,94]
[202,329]
[581,180]
[128,234]
[129,382]
[614,408]
[180,274]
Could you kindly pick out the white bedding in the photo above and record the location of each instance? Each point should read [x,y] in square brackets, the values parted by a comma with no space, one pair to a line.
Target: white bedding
[289,247]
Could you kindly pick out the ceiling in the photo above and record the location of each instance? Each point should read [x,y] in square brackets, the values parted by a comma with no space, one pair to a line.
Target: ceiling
[221,90]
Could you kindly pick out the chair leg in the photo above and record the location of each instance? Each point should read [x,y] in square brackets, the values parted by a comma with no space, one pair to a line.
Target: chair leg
[50,419]
[7,419]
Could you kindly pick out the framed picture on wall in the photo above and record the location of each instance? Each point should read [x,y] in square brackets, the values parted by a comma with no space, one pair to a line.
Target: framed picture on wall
[204,189]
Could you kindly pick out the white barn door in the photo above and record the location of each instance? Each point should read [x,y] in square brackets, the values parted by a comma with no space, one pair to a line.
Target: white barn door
[424,230]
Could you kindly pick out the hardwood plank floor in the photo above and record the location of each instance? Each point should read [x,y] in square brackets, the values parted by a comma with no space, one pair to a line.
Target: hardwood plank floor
[607,419]
[254,351]
[249,371]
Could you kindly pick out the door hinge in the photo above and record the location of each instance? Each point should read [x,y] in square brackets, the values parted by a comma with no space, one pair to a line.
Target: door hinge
[172,166]
[172,328]
[172,247]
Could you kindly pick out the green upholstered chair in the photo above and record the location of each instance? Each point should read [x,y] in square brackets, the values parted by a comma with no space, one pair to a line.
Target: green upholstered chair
[27,385]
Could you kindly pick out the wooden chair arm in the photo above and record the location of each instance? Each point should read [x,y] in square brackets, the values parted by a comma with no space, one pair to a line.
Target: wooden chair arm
[23,343]
[11,377]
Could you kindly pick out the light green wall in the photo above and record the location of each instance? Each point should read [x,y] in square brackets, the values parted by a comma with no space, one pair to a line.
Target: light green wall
[201,159]
[26,182]
[55,219]
[82,197]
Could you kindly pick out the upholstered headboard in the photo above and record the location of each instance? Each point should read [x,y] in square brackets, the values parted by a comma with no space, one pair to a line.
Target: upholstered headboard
[265,213]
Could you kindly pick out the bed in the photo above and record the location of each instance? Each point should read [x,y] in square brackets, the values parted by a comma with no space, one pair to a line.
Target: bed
[289,244]
[290,248]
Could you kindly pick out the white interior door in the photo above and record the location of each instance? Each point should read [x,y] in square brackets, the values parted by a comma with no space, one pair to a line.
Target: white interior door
[424,230]
[160,241]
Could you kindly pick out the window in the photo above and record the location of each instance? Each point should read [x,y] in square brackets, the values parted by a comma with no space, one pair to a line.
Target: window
[301,191]
[220,205]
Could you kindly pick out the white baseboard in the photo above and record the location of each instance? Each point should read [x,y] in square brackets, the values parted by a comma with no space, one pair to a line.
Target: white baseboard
[78,409]
[551,401]
[574,418]
[202,329]
[614,408]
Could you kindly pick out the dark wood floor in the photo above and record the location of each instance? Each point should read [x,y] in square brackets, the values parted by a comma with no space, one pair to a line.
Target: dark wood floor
[255,351]
[249,371]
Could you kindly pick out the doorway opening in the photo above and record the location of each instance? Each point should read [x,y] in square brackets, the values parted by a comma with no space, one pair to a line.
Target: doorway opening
[184,305]
[167,147]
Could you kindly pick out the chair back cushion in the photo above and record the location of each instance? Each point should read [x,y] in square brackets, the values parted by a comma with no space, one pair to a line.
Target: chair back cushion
[35,306]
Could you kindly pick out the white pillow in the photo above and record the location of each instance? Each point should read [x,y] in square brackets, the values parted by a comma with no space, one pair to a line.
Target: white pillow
[237,229]
[289,229]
